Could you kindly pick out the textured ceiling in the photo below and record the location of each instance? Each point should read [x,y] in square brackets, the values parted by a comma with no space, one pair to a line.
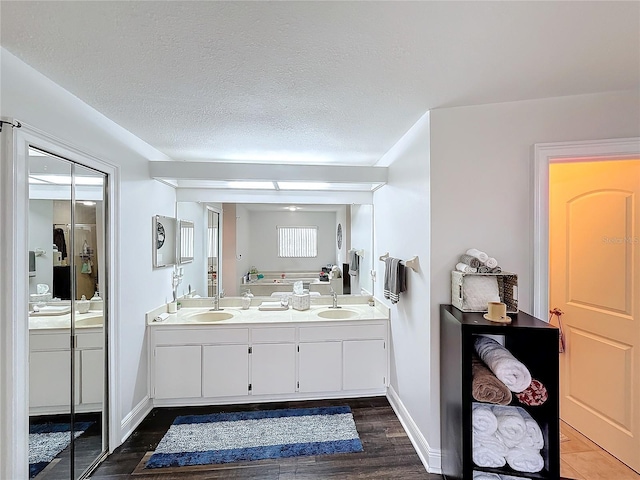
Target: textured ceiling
[314,82]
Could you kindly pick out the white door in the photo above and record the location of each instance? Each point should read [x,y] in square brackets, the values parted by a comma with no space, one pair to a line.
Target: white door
[594,278]
[178,371]
[365,364]
[225,370]
[273,368]
[320,367]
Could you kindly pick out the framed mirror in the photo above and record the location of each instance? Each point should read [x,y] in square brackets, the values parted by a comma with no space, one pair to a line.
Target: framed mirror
[185,241]
[164,241]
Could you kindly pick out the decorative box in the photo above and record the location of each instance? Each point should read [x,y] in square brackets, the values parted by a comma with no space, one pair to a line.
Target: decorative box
[462,294]
[300,301]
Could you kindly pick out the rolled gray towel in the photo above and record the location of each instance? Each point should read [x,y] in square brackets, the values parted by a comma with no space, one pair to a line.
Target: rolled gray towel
[483,269]
[496,270]
[469,260]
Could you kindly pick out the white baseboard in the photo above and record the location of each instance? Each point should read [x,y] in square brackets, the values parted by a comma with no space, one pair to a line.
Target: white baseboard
[134,418]
[430,457]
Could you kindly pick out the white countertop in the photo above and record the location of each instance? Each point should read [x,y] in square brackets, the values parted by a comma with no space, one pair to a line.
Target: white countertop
[91,319]
[189,315]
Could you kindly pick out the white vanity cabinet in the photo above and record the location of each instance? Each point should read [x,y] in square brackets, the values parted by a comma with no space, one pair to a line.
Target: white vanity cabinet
[192,365]
[50,362]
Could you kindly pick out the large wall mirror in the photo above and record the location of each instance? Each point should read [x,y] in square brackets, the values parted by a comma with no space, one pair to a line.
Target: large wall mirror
[249,244]
[67,298]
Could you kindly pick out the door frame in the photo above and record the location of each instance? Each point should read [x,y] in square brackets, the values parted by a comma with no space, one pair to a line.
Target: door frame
[14,332]
[544,154]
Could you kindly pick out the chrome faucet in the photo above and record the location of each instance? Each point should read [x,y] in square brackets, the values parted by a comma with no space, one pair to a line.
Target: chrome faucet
[216,303]
[334,297]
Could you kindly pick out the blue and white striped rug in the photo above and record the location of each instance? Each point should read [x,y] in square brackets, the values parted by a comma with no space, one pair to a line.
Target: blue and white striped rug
[47,440]
[244,436]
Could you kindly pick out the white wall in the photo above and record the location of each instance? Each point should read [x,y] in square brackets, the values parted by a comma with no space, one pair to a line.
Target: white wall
[263,250]
[402,228]
[40,236]
[361,239]
[35,100]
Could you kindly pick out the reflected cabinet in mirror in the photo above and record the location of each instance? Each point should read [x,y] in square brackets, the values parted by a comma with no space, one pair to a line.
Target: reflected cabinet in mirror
[66,224]
[266,248]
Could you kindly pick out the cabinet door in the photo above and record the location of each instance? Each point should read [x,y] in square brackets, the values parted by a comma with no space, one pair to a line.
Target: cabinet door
[178,371]
[225,370]
[92,376]
[273,368]
[320,367]
[365,364]
[49,379]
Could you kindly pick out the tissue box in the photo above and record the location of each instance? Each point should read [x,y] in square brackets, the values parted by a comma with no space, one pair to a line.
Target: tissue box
[300,301]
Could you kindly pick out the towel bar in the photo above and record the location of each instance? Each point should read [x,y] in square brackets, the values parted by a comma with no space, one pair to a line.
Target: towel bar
[411,263]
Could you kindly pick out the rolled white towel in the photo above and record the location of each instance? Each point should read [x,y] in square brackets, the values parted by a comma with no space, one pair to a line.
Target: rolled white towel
[525,460]
[492,442]
[487,457]
[533,438]
[491,262]
[512,428]
[474,252]
[483,420]
[485,476]
[505,366]
[463,267]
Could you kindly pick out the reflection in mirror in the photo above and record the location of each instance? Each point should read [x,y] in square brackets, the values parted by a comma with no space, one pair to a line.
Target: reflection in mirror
[213,250]
[186,242]
[262,266]
[66,234]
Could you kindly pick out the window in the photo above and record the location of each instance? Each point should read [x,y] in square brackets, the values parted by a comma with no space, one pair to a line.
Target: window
[297,242]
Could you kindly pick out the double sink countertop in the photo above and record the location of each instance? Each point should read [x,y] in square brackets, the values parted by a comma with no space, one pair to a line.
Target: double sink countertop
[235,315]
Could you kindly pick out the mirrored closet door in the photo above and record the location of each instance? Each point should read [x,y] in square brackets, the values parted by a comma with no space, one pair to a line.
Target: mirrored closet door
[67,317]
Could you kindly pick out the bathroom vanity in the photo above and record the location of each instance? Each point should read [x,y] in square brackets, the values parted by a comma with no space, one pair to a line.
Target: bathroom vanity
[201,357]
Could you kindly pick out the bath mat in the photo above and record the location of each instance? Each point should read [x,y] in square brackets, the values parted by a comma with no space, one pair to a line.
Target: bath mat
[47,440]
[256,435]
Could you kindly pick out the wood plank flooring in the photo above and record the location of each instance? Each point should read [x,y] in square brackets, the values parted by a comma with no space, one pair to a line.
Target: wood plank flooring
[388,453]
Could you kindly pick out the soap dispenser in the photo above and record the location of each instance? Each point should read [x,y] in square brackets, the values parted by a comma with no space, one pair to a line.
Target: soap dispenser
[83,305]
[246,300]
[96,302]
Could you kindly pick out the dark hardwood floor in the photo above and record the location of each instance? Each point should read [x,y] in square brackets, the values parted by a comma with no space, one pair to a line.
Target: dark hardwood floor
[388,453]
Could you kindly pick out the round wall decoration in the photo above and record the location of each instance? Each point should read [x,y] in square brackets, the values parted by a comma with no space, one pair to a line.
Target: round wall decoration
[159,236]
[339,236]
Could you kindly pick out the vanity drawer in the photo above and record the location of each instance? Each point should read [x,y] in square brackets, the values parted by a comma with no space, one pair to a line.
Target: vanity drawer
[273,334]
[90,340]
[50,341]
[209,336]
[343,332]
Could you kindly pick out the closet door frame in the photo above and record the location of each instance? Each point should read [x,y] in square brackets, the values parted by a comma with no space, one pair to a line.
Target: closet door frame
[14,291]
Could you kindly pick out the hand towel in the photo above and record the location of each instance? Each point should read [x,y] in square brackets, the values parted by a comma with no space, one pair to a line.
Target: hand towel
[483,420]
[491,262]
[492,442]
[478,291]
[394,279]
[485,475]
[525,460]
[486,457]
[474,252]
[469,260]
[534,395]
[354,260]
[463,267]
[510,371]
[485,386]
[512,427]
[533,438]
[161,318]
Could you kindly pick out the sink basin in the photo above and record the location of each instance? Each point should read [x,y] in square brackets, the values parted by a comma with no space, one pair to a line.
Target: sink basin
[338,313]
[89,322]
[210,316]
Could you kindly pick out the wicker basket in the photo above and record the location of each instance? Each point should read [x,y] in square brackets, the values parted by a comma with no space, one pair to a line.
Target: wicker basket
[300,301]
[507,288]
